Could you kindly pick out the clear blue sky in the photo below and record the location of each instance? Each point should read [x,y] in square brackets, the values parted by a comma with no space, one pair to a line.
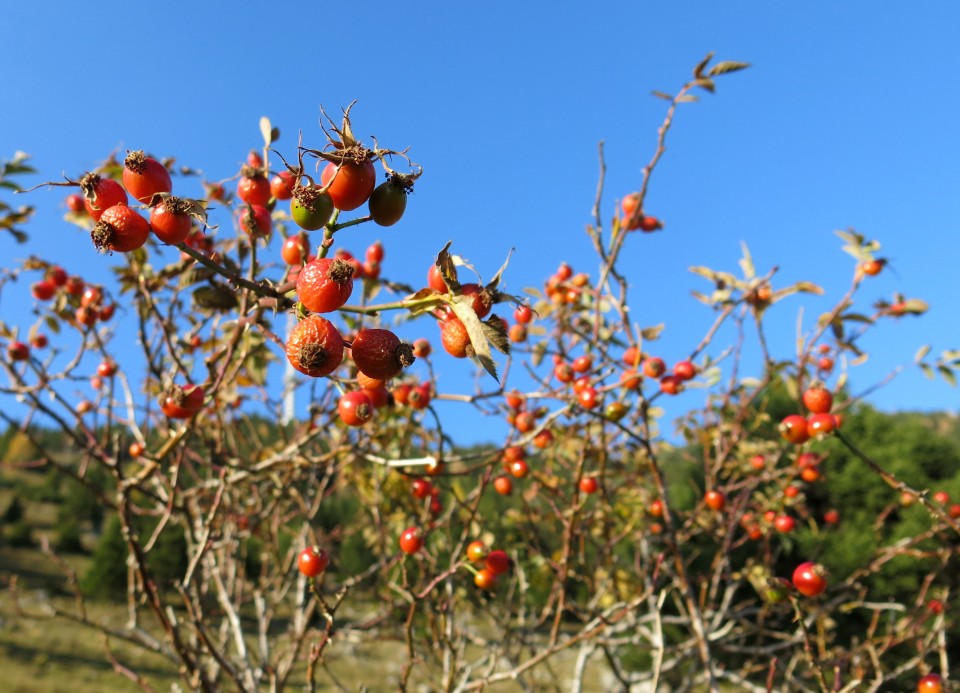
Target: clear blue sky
[847,118]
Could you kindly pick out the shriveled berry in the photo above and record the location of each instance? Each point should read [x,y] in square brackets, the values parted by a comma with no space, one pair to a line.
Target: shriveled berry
[121,229]
[325,284]
[380,353]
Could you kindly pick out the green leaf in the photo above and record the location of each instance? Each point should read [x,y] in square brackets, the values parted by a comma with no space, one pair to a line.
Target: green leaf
[921,353]
[927,370]
[662,95]
[687,98]
[948,375]
[725,67]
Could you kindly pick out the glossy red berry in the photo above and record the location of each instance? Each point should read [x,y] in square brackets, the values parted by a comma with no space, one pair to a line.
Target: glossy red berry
[282,184]
[589,485]
[349,185]
[75,203]
[503,485]
[313,561]
[485,579]
[821,424]
[715,500]
[670,384]
[930,683]
[43,290]
[100,194]
[355,408]
[420,396]
[784,524]
[794,429]
[810,579]
[476,551]
[253,187]
[518,469]
[170,220]
[685,370]
[421,488]
[523,314]
[498,562]
[411,540]
[144,177]
[873,267]
[295,249]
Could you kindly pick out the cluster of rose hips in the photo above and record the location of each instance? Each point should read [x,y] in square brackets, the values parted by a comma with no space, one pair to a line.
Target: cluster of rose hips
[798,429]
[71,292]
[495,563]
[634,219]
[564,287]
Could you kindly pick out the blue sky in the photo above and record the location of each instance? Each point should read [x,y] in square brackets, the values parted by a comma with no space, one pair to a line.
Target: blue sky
[846,119]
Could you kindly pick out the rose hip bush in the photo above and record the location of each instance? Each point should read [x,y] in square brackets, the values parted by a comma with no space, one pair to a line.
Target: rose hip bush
[580,548]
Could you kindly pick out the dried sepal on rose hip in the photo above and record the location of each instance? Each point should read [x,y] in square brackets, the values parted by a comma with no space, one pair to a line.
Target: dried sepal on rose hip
[380,354]
[315,347]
